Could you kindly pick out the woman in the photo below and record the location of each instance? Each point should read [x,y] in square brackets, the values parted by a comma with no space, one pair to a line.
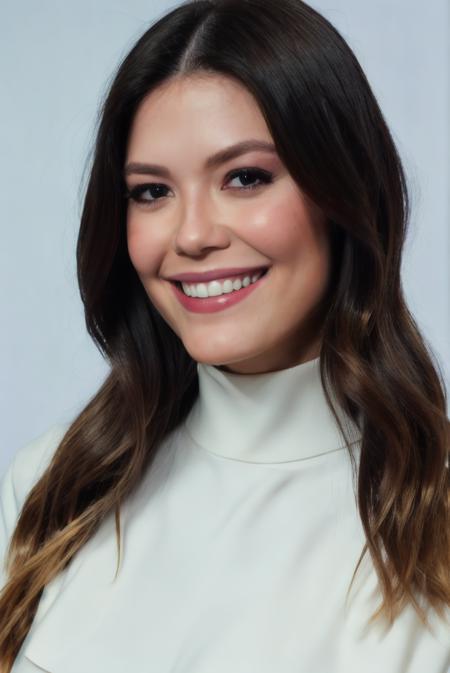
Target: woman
[260,483]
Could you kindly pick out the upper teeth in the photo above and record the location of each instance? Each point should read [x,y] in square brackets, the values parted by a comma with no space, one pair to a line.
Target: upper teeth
[217,287]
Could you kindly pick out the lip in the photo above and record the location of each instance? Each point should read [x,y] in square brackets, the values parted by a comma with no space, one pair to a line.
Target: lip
[215,274]
[214,304]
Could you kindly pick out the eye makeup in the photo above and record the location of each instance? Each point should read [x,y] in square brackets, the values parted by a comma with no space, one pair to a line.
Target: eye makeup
[253,174]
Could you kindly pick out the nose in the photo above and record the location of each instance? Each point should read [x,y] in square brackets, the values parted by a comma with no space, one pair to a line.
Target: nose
[199,229]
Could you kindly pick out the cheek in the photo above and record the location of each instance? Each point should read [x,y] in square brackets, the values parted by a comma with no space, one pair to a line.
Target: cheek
[143,248]
[288,228]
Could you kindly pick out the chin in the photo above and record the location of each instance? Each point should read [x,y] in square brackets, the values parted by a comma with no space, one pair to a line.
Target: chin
[212,357]
[211,360]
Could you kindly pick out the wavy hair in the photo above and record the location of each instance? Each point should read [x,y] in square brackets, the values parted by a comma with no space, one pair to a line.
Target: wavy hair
[331,135]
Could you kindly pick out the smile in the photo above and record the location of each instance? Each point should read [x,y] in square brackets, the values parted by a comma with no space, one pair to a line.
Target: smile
[216,288]
[217,295]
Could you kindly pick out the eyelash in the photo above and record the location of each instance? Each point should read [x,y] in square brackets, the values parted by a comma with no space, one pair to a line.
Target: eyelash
[265,177]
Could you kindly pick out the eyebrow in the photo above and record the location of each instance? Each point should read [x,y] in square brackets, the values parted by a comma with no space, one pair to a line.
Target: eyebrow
[213,161]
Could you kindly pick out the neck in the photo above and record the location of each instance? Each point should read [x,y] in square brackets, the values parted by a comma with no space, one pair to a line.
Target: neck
[272,417]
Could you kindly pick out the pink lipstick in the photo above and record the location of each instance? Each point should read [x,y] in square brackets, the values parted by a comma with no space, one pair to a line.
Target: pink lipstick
[219,303]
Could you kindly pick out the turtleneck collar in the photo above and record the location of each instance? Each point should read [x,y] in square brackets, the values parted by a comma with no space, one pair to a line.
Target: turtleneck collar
[272,417]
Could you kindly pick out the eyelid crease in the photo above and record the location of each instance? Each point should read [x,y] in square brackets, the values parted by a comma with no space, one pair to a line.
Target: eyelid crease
[264,176]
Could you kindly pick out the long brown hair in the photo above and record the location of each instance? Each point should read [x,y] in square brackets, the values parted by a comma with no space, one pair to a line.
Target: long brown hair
[331,135]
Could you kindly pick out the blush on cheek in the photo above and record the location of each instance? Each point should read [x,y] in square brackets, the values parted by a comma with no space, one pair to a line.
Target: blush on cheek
[282,229]
[134,252]
[138,253]
[147,245]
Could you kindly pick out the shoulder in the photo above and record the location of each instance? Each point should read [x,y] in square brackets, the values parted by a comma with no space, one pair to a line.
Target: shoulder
[25,469]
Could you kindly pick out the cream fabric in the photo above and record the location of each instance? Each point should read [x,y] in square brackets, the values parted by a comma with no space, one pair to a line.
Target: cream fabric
[239,547]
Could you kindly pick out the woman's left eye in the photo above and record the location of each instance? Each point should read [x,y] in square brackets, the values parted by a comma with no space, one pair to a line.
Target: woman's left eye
[249,175]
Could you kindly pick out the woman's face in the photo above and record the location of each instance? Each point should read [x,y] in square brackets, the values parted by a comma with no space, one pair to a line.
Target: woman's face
[195,217]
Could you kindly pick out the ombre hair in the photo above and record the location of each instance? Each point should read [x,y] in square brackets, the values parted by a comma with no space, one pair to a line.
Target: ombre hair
[332,137]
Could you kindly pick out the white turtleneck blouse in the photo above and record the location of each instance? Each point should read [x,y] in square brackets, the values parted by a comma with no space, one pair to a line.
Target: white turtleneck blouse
[239,546]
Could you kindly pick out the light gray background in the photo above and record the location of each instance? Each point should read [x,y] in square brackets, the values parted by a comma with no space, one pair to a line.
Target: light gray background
[56,60]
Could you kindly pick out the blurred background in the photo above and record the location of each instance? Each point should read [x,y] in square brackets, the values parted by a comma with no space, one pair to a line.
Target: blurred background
[56,61]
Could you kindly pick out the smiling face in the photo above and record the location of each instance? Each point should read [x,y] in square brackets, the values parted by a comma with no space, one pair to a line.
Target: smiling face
[195,217]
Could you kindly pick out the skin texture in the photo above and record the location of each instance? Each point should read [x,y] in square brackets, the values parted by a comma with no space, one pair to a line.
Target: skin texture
[202,220]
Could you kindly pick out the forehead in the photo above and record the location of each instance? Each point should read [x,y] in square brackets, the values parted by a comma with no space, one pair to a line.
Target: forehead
[198,112]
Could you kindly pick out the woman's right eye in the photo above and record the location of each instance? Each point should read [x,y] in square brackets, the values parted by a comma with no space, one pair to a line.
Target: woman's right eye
[146,194]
